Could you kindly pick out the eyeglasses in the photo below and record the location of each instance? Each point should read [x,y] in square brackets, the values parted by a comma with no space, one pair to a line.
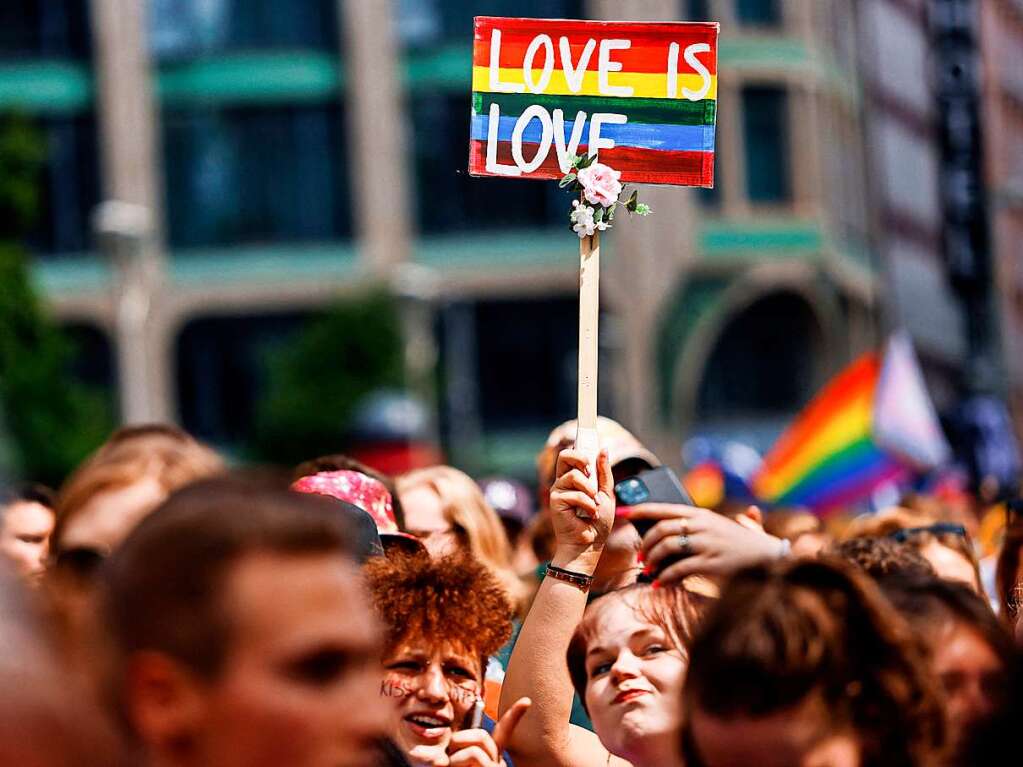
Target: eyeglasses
[941,528]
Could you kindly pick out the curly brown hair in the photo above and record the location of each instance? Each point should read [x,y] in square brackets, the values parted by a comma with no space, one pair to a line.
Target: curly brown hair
[782,634]
[883,557]
[452,599]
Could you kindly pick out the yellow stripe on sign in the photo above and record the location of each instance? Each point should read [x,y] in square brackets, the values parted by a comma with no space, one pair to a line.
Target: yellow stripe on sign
[645,85]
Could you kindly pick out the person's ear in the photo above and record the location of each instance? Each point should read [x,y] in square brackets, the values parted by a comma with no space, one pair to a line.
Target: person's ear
[751,517]
[164,702]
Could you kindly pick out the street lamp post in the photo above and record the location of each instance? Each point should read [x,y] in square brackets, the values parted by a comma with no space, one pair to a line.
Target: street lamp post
[124,232]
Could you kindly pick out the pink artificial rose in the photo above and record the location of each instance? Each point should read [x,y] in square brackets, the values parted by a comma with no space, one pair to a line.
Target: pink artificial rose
[600,184]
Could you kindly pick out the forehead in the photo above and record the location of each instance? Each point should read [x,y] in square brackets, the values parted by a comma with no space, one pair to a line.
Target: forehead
[422,504]
[420,646]
[615,618]
[949,563]
[22,514]
[280,600]
[962,645]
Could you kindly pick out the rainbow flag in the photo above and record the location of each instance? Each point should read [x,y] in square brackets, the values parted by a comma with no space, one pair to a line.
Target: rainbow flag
[537,85]
[829,458]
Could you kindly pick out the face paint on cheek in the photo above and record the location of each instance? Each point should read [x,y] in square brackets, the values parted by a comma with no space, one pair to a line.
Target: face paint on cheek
[393,687]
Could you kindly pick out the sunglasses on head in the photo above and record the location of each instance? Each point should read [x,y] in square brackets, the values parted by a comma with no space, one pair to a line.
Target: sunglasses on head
[941,528]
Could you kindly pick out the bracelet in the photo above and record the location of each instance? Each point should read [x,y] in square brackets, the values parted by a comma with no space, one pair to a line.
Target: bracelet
[576,579]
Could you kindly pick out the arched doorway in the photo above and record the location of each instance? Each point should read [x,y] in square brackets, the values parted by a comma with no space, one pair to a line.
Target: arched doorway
[765,363]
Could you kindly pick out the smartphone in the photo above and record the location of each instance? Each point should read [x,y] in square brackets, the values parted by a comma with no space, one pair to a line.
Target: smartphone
[660,485]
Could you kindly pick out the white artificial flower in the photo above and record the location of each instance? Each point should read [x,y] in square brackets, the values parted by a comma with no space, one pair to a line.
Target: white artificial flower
[582,220]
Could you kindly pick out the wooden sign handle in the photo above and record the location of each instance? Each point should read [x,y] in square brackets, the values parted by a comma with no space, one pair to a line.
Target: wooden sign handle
[586,438]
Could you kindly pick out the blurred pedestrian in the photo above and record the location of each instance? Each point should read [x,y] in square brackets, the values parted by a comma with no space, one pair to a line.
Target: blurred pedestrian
[125,479]
[946,545]
[802,529]
[241,633]
[805,663]
[342,462]
[514,506]
[47,717]
[446,510]
[970,651]
[26,522]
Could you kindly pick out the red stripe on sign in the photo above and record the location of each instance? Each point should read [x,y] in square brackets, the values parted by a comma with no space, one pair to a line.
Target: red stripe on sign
[641,166]
[666,30]
[646,54]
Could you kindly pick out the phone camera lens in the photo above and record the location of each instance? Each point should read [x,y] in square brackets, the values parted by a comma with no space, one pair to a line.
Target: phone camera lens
[633,492]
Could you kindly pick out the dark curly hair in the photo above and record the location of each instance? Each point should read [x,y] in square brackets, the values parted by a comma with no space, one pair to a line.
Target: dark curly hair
[452,599]
[883,557]
[781,635]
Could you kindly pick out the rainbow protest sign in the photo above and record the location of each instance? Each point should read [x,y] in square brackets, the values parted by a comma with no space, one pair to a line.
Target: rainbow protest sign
[641,96]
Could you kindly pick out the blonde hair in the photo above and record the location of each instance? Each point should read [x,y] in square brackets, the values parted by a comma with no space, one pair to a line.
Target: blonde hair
[473,519]
[167,454]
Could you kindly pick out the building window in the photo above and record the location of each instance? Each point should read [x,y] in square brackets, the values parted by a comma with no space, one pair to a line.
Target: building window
[44,28]
[761,13]
[511,338]
[449,199]
[255,175]
[69,185]
[190,28]
[221,373]
[763,361]
[765,128]
[696,10]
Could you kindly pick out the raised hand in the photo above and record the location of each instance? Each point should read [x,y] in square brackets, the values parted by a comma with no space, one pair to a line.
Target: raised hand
[709,543]
[582,509]
[478,748]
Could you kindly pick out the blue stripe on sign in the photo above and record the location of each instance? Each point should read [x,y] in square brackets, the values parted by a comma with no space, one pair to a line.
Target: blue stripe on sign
[682,138]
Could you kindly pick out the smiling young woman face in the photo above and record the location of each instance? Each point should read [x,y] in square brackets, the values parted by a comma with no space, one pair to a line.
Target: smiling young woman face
[434,688]
[634,678]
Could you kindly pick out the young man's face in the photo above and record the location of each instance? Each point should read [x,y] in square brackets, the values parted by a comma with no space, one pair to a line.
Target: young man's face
[25,528]
[300,683]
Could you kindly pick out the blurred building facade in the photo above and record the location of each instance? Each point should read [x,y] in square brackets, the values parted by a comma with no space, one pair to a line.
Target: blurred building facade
[1001,75]
[906,201]
[290,152]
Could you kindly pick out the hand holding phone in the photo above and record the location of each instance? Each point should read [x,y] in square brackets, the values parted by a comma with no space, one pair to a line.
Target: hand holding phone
[660,485]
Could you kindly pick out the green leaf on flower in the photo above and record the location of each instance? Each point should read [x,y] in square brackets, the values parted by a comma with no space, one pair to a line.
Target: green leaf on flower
[632,202]
[584,161]
[566,180]
[599,215]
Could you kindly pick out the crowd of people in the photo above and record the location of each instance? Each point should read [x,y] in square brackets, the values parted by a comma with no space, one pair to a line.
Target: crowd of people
[164,609]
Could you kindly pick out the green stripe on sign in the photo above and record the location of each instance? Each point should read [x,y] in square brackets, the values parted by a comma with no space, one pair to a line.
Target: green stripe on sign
[643,111]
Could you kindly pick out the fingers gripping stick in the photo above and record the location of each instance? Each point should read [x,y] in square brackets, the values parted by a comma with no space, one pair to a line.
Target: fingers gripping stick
[587,441]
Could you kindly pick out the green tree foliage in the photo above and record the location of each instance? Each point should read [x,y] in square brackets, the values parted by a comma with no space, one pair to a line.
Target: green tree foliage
[315,381]
[51,421]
